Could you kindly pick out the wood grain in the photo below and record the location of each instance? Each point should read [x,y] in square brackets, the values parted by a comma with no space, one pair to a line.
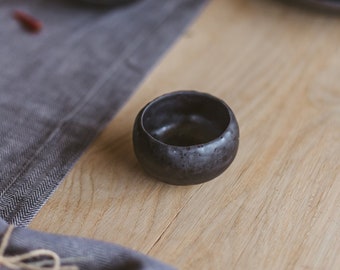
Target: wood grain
[278,205]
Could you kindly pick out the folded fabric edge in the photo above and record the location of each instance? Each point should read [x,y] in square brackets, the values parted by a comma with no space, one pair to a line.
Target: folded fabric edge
[24,212]
[81,253]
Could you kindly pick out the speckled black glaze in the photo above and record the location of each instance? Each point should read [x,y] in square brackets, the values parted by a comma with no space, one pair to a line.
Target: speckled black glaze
[185,137]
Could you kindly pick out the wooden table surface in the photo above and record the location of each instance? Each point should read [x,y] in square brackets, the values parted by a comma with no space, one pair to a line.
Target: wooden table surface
[278,205]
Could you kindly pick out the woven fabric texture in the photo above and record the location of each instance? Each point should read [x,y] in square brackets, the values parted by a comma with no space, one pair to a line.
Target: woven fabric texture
[86,254]
[60,87]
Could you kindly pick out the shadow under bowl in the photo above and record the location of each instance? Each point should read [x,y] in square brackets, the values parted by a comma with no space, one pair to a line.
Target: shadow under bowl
[185,137]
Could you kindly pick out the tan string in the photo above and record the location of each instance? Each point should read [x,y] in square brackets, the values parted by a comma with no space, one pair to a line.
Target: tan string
[17,262]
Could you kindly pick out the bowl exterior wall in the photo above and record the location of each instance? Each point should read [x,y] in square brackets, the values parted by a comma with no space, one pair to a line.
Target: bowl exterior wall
[185,165]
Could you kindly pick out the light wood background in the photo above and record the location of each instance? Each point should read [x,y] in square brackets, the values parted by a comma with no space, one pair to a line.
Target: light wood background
[278,205]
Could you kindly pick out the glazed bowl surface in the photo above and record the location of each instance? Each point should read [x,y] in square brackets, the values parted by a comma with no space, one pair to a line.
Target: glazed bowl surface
[185,137]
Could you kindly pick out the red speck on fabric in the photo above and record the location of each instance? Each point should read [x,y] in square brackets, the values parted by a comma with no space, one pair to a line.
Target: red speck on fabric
[27,21]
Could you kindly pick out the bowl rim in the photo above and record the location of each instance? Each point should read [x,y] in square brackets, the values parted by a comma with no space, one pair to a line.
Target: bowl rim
[232,118]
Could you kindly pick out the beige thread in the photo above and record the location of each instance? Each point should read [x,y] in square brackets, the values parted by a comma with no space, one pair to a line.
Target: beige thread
[17,262]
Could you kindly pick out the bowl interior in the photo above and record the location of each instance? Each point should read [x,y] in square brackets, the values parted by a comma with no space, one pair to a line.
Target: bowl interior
[186,118]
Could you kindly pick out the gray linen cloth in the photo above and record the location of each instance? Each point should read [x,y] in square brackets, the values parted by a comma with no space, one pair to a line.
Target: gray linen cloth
[60,87]
[84,253]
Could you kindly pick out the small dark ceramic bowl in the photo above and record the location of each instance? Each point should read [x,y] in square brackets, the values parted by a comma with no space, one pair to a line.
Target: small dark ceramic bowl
[185,137]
